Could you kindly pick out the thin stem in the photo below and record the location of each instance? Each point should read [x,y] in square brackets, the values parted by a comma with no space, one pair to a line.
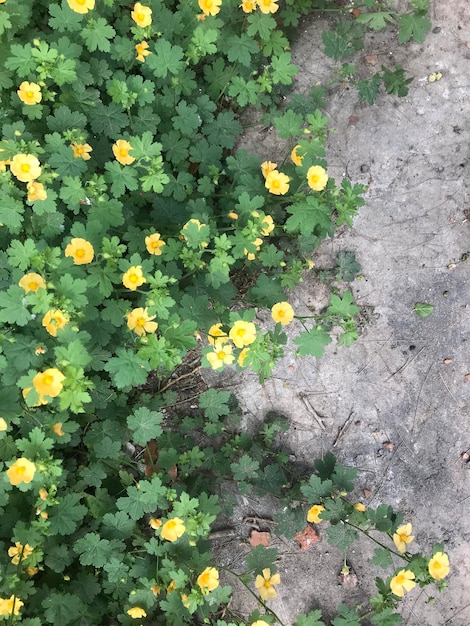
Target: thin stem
[402,556]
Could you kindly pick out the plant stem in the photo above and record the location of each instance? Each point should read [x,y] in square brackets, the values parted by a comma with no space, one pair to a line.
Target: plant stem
[402,556]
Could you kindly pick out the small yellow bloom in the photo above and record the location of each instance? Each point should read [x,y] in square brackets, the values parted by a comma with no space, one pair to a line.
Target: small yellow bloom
[133,278]
[21,471]
[221,356]
[18,552]
[216,335]
[25,167]
[3,165]
[282,312]
[32,282]
[247,6]
[57,429]
[403,581]
[267,167]
[438,566]
[32,571]
[3,425]
[140,322]
[242,333]
[265,583]
[314,513]
[81,150]
[121,152]
[36,192]
[171,587]
[296,158]
[136,612]
[360,507]
[208,580]
[317,178]
[49,382]
[155,589]
[277,183]
[142,15]
[154,244]
[185,601]
[242,356]
[43,494]
[268,225]
[29,93]
[260,622]
[251,255]
[232,215]
[54,320]
[402,537]
[173,529]
[80,250]
[142,51]
[39,350]
[9,606]
[268,6]
[210,7]
[155,523]
[81,6]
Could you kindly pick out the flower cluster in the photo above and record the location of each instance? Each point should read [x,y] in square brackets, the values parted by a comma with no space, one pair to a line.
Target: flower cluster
[241,334]
[265,6]
[275,182]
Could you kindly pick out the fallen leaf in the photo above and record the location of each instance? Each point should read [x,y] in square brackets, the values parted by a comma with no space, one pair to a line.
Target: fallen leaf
[372,59]
[388,445]
[367,493]
[347,578]
[260,538]
[307,537]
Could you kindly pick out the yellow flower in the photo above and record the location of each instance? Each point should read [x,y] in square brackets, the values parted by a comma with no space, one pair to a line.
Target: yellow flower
[21,471]
[221,356]
[9,606]
[140,321]
[242,356]
[268,225]
[210,7]
[402,537]
[314,513]
[81,6]
[32,282]
[25,167]
[216,335]
[155,523]
[49,382]
[171,587]
[29,93]
[57,429]
[403,581]
[142,51]
[360,507]
[36,192]
[54,320]
[268,6]
[133,277]
[277,183]
[317,178]
[39,350]
[172,529]
[3,425]
[232,215]
[185,601]
[247,6]
[155,589]
[267,167]
[121,152]
[242,333]
[251,255]
[43,494]
[282,312]
[81,150]
[3,165]
[439,566]
[80,250]
[142,15]
[19,552]
[265,583]
[154,244]
[32,571]
[260,622]
[296,158]
[208,580]
[136,612]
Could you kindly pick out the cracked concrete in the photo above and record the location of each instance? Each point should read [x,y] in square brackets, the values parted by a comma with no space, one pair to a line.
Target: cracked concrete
[405,380]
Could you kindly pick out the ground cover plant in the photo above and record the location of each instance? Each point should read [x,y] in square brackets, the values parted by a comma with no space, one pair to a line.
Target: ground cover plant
[131,227]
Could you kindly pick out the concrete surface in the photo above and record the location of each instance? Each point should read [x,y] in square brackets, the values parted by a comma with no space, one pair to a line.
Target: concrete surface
[405,380]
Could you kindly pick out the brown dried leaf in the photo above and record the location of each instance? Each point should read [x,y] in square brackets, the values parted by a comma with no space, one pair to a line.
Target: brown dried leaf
[260,538]
[372,59]
[367,493]
[307,537]
[388,445]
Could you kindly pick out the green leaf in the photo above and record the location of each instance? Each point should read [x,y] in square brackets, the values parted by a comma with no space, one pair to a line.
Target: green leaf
[244,91]
[150,496]
[5,23]
[74,354]
[337,45]
[66,515]
[64,119]
[325,466]
[382,557]
[37,446]
[9,402]
[368,89]
[343,477]
[343,306]
[312,342]
[11,213]
[12,308]
[289,522]
[108,119]
[381,517]
[413,27]
[72,192]
[241,48]
[214,403]
[202,43]
[316,489]
[341,536]
[20,254]
[347,266]
[73,290]
[120,177]
[261,558]
[187,120]
[283,70]
[224,130]
[97,35]
[197,308]
[386,618]
[165,59]
[20,60]
[62,19]
[260,24]
[244,468]
[57,557]
[267,291]
[309,214]
[347,617]
[65,164]
[145,425]
[423,309]
[289,125]
[377,20]
[395,81]
[61,609]
[127,369]
[93,550]
[311,619]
